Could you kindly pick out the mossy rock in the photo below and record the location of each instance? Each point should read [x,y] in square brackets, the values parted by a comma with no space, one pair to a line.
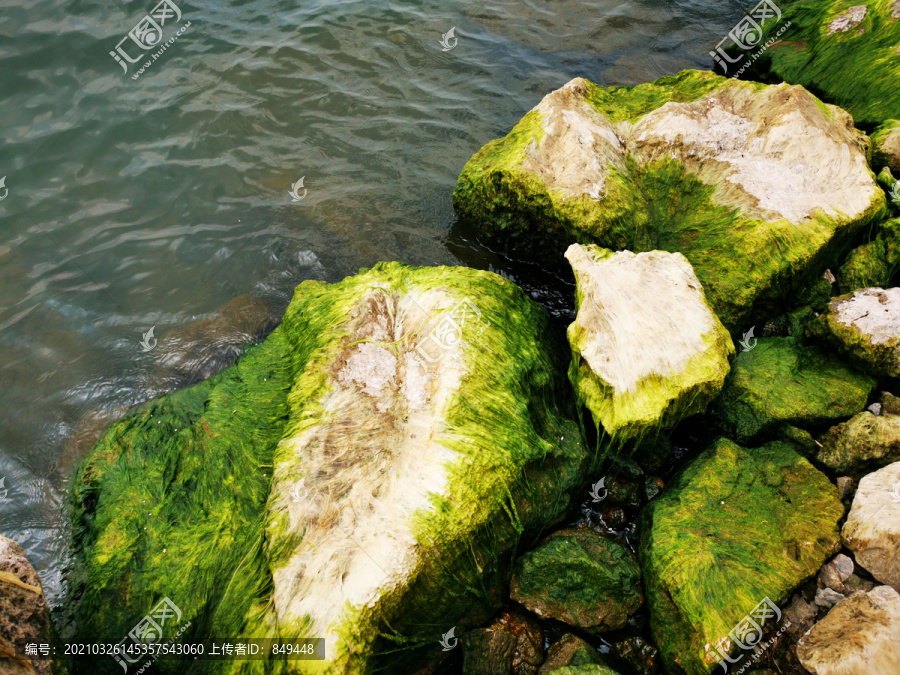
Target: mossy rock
[864,326]
[364,475]
[847,56]
[862,444]
[760,187]
[782,381]
[583,670]
[874,263]
[886,146]
[647,349]
[580,578]
[736,527]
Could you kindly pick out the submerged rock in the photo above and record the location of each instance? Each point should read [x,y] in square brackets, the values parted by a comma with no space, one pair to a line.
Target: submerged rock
[756,185]
[872,530]
[581,578]
[847,53]
[780,381]
[862,444]
[865,327]
[732,536]
[647,349]
[366,471]
[24,615]
[859,636]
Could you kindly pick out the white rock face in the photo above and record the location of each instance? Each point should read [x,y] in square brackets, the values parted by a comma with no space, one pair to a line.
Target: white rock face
[859,636]
[872,530]
[643,319]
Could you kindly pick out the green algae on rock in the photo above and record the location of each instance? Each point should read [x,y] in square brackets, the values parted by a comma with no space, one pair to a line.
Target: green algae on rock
[874,263]
[647,349]
[783,382]
[588,669]
[862,444]
[737,527]
[758,186]
[886,146]
[865,327]
[360,475]
[580,578]
[846,53]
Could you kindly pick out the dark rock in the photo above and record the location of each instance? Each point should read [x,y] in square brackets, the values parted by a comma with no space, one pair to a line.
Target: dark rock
[846,487]
[569,650]
[488,652]
[640,655]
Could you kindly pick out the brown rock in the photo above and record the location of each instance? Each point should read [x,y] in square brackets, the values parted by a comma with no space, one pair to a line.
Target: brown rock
[569,650]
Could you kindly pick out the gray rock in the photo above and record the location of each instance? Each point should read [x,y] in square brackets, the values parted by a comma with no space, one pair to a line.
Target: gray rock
[835,573]
[875,409]
[825,597]
[846,487]
[800,615]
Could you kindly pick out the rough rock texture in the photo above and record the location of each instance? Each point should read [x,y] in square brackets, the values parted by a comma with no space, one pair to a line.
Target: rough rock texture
[647,349]
[872,530]
[641,655]
[874,263]
[756,185]
[865,327]
[860,636]
[736,527]
[581,578]
[886,146]
[780,381]
[583,670]
[569,650]
[862,444]
[24,614]
[366,471]
[512,645]
[846,53]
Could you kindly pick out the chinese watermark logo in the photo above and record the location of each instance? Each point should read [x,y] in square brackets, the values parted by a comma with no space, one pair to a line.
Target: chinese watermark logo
[895,193]
[748,632]
[148,630]
[5,189]
[446,638]
[295,190]
[3,490]
[895,493]
[147,34]
[449,332]
[747,33]
[749,342]
[596,488]
[148,342]
[449,40]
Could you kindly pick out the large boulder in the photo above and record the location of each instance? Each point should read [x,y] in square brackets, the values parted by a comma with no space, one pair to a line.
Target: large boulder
[780,381]
[845,51]
[874,263]
[732,536]
[24,616]
[864,443]
[580,578]
[758,186]
[647,350]
[865,327]
[859,636]
[872,530]
[364,472]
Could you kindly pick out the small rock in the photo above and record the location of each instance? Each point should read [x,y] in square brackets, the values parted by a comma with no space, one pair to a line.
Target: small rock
[835,573]
[801,615]
[828,276]
[890,404]
[862,444]
[855,583]
[488,652]
[640,655]
[569,650]
[846,487]
[852,17]
[621,490]
[529,651]
[825,597]
[653,485]
[580,578]
[857,637]
[875,409]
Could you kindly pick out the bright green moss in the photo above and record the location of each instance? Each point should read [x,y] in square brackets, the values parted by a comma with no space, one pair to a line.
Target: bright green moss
[856,70]
[874,263]
[201,461]
[781,381]
[737,526]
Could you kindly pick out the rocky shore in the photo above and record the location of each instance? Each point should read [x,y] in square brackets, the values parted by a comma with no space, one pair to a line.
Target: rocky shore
[700,474]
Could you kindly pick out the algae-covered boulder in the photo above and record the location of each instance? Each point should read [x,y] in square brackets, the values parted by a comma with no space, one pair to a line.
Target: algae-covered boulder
[864,443]
[780,381]
[581,578]
[865,327]
[845,51]
[874,263]
[647,350]
[361,476]
[758,186]
[886,146]
[872,530]
[734,534]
